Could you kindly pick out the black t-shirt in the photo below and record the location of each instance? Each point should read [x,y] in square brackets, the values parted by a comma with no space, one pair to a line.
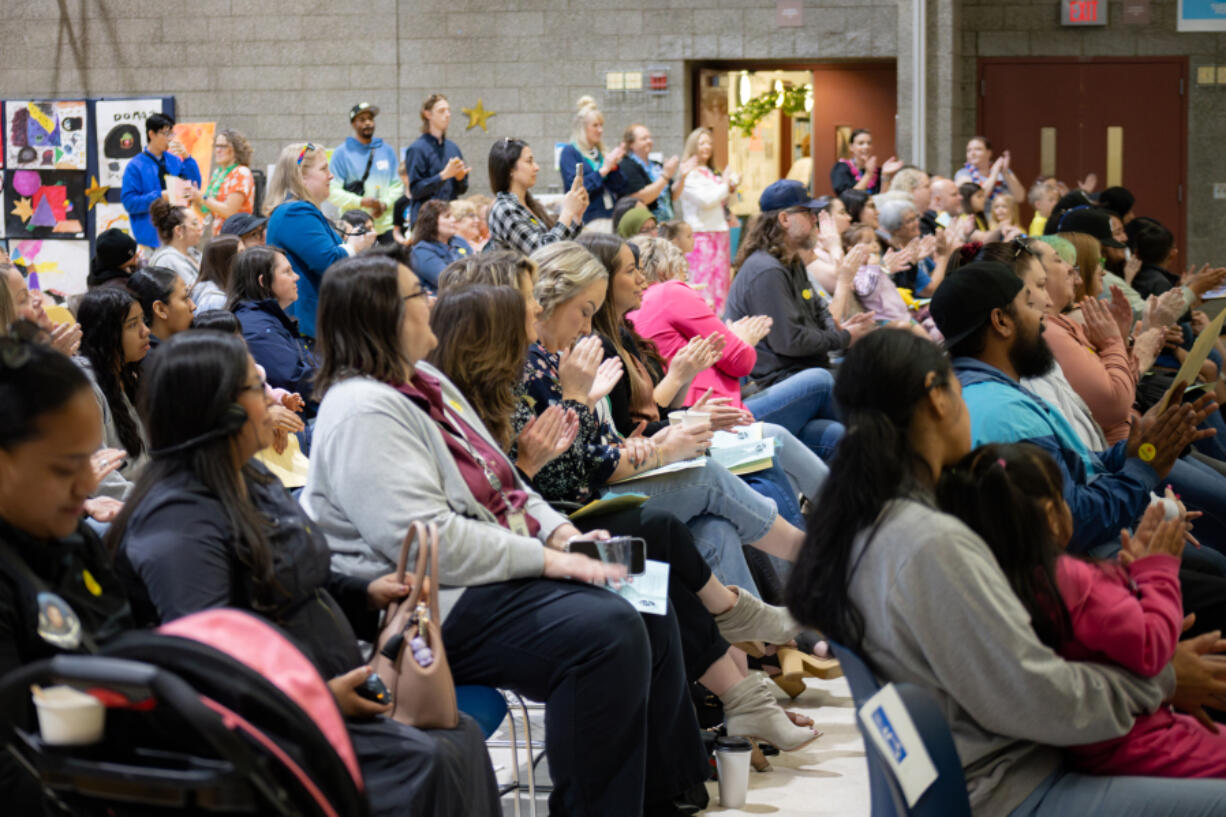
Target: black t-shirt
[400,215]
[635,176]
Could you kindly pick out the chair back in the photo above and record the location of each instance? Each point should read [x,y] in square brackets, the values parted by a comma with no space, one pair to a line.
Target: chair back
[946,797]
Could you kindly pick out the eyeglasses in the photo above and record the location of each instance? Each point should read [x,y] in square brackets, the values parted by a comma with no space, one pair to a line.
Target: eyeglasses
[257,387]
[419,293]
[307,148]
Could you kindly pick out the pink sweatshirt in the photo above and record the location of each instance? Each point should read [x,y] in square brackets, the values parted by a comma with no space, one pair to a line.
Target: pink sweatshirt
[1132,617]
[1105,378]
[671,315]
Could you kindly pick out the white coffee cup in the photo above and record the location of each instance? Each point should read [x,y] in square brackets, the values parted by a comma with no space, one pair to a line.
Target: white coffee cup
[69,717]
[676,418]
[694,418]
[732,764]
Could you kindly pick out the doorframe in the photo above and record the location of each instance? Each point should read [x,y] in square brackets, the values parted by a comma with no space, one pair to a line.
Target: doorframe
[1181,61]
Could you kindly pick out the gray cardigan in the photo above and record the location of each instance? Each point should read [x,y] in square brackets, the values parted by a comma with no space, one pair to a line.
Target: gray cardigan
[378,462]
[939,612]
[117,484]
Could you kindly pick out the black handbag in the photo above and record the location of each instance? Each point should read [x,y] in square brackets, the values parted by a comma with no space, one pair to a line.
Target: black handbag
[358,188]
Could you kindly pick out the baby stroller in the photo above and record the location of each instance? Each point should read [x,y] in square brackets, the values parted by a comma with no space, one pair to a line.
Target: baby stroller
[216,713]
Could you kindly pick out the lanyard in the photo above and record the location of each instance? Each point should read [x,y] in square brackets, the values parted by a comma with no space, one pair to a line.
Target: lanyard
[517,519]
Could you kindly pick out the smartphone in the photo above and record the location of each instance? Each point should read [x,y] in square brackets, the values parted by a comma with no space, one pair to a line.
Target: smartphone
[628,550]
[578,170]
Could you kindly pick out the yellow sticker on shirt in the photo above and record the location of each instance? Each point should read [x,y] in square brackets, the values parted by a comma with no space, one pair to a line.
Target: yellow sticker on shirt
[807,294]
[455,405]
[91,584]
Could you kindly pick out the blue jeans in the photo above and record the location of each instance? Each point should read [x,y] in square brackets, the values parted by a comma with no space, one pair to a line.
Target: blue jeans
[1068,794]
[1202,489]
[721,511]
[804,405]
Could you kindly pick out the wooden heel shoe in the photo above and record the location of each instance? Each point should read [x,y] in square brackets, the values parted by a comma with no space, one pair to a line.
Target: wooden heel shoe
[795,665]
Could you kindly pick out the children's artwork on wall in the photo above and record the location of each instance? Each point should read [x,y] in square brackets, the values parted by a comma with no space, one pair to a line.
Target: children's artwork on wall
[44,203]
[197,140]
[46,135]
[120,130]
[108,215]
[62,267]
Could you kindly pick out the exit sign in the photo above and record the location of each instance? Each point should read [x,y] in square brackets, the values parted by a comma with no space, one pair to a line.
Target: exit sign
[1083,12]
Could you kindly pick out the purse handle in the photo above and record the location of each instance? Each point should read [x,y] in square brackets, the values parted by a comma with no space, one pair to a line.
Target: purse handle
[426,534]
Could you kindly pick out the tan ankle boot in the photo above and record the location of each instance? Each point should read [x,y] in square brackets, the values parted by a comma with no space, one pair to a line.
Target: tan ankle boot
[751,711]
[752,619]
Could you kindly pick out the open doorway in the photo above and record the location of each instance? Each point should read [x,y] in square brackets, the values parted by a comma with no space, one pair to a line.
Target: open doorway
[791,120]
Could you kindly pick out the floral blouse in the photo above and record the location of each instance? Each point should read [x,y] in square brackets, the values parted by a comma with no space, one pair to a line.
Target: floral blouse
[579,474]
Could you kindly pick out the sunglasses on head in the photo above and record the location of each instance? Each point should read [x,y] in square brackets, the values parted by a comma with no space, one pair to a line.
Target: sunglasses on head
[307,148]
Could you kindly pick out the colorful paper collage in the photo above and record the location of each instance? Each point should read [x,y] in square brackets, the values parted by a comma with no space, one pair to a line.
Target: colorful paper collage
[197,140]
[62,266]
[120,129]
[44,204]
[108,215]
[46,135]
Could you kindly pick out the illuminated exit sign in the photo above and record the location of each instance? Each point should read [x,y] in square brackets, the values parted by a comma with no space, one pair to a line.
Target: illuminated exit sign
[1083,12]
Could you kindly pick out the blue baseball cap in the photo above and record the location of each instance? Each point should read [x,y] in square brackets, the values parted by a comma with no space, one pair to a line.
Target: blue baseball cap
[787,193]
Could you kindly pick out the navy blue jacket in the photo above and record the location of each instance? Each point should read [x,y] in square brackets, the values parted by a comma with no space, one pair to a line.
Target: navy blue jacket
[1106,491]
[597,186]
[273,340]
[424,160]
[429,258]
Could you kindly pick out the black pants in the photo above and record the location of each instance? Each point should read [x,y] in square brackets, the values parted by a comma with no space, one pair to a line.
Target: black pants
[619,727]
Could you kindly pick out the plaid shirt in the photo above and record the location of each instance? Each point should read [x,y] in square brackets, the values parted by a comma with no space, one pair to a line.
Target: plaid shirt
[514,227]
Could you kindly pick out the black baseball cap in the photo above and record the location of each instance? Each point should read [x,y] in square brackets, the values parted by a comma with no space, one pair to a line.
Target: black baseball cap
[113,248]
[1091,221]
[362,107]
[965,299]
[242,223]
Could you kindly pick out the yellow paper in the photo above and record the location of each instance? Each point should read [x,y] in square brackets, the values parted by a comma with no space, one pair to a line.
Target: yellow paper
[609,504]
[1196,358]
[290,467]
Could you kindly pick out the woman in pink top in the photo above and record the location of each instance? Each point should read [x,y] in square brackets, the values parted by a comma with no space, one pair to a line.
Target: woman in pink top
[1127,613]
[672,313]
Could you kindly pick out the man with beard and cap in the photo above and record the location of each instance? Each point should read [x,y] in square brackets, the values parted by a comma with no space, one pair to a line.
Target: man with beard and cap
[116,256]
[992,321]
[366,172]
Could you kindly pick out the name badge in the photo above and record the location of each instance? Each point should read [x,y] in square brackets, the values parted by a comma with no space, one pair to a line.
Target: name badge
[517,521]
[381,164]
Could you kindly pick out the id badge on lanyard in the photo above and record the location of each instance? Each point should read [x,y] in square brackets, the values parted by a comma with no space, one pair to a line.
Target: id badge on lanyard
[517,520]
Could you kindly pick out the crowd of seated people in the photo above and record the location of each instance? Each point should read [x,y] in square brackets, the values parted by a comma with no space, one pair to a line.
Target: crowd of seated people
[983,476]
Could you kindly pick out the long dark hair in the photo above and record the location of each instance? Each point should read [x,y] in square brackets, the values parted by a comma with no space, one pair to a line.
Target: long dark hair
[102,314]
[968,191]
[192,386]
[251,275]
[764,233]
[218,258]
[358,323]
[1000,491]
[34,380]
[881,381]
[503,155]
[854,200]
[482,344]
[150,285]
[610,323]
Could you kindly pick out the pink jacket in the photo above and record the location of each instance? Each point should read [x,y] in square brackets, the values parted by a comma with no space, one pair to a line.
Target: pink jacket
[1132,617]
[1105,378]
[671,315]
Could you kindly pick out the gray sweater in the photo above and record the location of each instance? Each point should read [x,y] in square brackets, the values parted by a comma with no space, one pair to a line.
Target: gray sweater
[378,462]
[939,612]
[119,483]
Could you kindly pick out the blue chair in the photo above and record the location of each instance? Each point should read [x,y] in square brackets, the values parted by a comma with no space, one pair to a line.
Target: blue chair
[946,797]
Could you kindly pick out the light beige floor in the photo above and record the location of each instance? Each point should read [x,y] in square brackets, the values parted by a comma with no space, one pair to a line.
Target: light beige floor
[826,778]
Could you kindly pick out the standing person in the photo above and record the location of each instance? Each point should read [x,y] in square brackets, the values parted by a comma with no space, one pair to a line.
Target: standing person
[860,171]
[993,176]
[366,172]
[704,194]
[231,186]
[772,281]
[144,180]
[647,180]
[435,243]
[517,221]
[433,163]
[300,183]
[1043,196]
[180,230]
[602,177]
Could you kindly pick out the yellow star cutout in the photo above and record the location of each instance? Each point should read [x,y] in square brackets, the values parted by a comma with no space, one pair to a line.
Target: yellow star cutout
[96,192]
[23,209]
[478,116]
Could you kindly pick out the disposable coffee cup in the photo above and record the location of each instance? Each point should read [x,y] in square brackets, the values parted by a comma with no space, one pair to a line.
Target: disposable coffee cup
[676,418]
[732,763]
[69,717]
[694,418]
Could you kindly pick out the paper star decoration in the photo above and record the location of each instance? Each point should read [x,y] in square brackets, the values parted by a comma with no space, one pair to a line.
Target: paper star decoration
[96,192]
[478,116]
[23,209]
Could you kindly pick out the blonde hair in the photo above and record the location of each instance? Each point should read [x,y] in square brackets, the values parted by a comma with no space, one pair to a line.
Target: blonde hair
[1014,215]
[1088,250]
[691,146]
[660,259]
[563,270]
[462,208]
[286,181]
[585,112]
[907,179]
[8,311]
